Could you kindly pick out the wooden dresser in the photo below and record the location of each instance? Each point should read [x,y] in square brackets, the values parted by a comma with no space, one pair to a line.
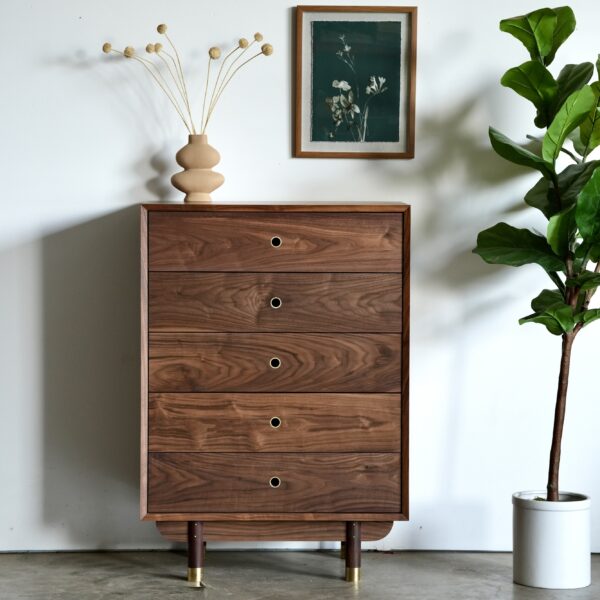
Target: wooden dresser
[274,373]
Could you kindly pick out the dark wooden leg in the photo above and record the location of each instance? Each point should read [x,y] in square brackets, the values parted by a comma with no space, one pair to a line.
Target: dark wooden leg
[195,553]
[343,550]
[353,551]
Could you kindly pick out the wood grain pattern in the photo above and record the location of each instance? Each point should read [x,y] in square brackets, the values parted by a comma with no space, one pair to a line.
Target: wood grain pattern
[241,423]
[404,360]
[319,302]
[317,243]
[310,482]
[143,361]
[314,207]
[344,362]
[301,531]
[309,517]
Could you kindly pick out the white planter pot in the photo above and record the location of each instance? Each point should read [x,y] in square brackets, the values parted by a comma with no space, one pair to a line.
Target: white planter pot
[551,541]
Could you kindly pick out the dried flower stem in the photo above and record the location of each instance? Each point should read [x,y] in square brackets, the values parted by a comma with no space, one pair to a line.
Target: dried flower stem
[222,89]
[187,99]
[165,85]
[174,76]
[162,87]
[233,63]
[212,96]
[205,90]
[181,78]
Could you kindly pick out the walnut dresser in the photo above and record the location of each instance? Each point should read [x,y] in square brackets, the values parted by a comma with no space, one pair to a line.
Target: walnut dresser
[274,373]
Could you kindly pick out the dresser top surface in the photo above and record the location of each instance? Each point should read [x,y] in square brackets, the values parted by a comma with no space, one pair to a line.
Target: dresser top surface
[384,207]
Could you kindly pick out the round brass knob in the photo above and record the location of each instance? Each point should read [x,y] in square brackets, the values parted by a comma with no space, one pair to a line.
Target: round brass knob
[274,482]
[276,241]
[275,422]
[276,302]
[275,363]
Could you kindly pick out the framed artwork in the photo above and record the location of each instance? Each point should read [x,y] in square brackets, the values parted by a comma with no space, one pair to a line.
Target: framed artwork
[355,81]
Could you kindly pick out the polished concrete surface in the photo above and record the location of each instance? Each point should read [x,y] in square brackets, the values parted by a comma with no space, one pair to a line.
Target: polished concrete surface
[269,576]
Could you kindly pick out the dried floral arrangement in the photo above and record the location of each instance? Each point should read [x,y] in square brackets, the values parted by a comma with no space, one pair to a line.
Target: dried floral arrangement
[167,71]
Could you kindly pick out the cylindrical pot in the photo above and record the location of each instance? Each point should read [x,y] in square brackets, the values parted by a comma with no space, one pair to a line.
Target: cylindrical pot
[551,540]
[197,180]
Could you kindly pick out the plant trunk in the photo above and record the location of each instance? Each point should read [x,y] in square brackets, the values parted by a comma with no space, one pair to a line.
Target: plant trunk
[559,416]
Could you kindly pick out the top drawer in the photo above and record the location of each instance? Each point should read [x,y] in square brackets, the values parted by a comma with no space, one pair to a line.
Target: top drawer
[342,242]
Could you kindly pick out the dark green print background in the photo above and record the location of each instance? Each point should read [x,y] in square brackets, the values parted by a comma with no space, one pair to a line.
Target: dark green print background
[375,47]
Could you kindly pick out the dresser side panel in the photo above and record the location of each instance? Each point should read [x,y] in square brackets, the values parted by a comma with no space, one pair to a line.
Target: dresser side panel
[143,362]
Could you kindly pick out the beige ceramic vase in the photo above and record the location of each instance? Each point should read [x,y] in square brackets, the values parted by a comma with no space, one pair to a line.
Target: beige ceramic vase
[197,180]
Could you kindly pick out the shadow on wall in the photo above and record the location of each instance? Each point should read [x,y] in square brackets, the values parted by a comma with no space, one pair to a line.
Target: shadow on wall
[459,176]
[91,386]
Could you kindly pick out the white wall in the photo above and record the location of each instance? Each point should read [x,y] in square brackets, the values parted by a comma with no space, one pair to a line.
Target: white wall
[83,140]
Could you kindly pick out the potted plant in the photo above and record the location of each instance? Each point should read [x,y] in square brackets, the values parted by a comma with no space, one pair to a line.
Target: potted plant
[551,530]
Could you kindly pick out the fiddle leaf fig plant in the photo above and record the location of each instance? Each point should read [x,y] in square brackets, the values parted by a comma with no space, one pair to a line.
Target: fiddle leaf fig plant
[567,108]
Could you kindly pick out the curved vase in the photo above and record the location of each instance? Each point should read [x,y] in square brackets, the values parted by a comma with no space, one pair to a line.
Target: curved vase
[197,180]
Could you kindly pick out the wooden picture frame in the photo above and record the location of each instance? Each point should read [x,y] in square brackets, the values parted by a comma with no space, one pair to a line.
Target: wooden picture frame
[355,81]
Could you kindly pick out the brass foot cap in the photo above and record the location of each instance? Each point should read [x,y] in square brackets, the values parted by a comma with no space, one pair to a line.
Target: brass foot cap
[353,574]
[194,578]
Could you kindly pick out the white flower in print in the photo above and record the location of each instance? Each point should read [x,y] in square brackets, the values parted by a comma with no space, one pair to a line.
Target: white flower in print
[341,85]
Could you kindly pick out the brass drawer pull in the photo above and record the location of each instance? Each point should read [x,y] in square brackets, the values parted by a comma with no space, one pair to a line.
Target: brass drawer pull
[276,241]
[275,422]
[276,302]
[274,482]
[275,363]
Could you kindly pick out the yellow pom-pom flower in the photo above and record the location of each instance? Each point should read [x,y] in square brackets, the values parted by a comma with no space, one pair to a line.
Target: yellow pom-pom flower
[158,47]
[106,47]
[267,49]
[162,28]
[243,43]
[214,52]
[150,48]
[129,52]
[258,37]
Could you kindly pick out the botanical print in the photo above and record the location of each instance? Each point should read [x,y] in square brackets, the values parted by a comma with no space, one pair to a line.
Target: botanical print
[356,81]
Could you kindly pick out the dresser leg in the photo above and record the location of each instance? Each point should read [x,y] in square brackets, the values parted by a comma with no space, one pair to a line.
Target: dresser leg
[195,553]
[343,550]
[353,551]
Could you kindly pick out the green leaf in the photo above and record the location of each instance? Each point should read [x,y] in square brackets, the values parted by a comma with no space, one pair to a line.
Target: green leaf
[535,83]
[585,281]
[514,153]
[598,65]
[503,244]
[570,182]
[552,325]
[563,313]
[546,299]
[570,79]
[595,253]
[550,310]
[587,213]
[535,30]
[589,130]
[561,231]
[542,197]
[565,25]
[571,114]
[589,316]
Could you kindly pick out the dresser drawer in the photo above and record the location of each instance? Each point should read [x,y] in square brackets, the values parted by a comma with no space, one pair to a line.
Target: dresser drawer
[274,362]
[369,302]
[188,241]
[328,483]
[274,423]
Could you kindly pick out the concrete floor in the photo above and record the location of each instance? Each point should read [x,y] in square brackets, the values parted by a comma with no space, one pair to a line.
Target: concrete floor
[269,576]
